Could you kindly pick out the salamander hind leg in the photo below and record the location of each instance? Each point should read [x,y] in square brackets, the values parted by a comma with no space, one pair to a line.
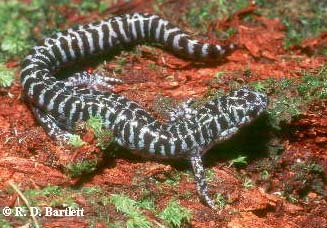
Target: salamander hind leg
[199,176]
[91,81]
[51,126]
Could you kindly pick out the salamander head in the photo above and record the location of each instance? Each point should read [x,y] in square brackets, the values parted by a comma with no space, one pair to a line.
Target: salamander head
[246,105]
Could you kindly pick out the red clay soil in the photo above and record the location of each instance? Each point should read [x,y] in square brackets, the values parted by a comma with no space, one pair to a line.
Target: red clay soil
[32,160]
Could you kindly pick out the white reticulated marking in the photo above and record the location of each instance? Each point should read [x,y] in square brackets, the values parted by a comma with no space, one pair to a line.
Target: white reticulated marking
[100,33]
[131,22]
[73,110]
[202,140]
[207,121]
[190,46]
[176,41]
[229,132]
[172,146]
[118,141]
[168,32]
[81,114]
[106,119]
[150,23]
[90,40]
[220,49]
[184,145]
[51,101]
[120,118]
[122,133]
[46,42]
[79,41]
[200,117]
[162,147]
[30,66]
[122,30]
[204,51]
[29,77]
[112,34]
[41,97]
[70,47]
[50,51]
[226,116]
[244,120]
[206,125]
[31,89]
[142,26]
[161,23]
[162,150]
[99,106]
[89,109]
[36,58]
[151,146]
[131,134]
[237,118]
[195,143]
[61,50]
[62,104]
[217,124]
[110,109]
[178,132]
[141,142]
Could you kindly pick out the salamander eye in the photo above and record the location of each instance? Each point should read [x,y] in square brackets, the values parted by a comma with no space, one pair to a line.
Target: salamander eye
[240,93]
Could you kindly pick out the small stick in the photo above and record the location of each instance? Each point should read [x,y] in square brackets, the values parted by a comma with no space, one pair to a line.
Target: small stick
[15,187]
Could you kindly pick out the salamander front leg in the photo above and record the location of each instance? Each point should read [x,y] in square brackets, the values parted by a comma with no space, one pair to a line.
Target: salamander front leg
[91,81]
[199,176]
[51,126]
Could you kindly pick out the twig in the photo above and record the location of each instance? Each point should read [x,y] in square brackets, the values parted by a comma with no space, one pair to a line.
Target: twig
[15,187]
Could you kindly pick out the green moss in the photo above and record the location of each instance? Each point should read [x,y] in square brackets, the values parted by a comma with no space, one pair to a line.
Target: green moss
[15,29]
[220,201]
[248,183]
[239,161]
[200,13]
[131,210]
[92,190]
[314,84]
[147,204]
[79,168]
[52,196]
[104,137]
[174,214]
[121,62]
[76,141]
[6,76]
[210,175]
[303,19]
[4,223]
[50,190]
[290,97]
[264,175]
[174,179]
[19,22]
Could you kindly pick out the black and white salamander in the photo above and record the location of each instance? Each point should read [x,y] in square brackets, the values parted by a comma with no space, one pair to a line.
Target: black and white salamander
[59,104]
